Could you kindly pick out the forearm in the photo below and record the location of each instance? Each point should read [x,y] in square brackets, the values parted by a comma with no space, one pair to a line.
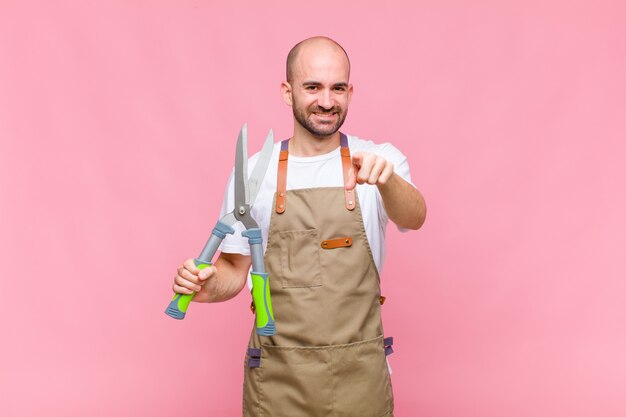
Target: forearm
[404,204]
[230,278]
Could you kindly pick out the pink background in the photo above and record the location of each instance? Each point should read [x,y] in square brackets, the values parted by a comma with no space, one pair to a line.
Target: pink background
[117,130]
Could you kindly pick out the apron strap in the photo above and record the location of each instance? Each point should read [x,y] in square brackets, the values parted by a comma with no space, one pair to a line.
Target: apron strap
[281,181]
[388,342]
[346,162]
[254,357]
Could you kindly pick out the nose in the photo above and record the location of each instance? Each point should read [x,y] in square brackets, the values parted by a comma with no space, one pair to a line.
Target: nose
[324,99]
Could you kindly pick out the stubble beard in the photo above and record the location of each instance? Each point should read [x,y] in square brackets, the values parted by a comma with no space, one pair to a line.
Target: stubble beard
[320,130]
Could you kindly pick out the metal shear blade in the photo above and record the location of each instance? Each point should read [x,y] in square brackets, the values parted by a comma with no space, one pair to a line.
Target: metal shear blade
[246,189]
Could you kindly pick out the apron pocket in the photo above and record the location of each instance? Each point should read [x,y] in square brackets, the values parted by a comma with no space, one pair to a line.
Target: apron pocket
[362,386]
[294,382]
[300,259]
[350,380]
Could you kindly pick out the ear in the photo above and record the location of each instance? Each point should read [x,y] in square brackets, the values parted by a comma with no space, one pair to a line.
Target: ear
[286,92]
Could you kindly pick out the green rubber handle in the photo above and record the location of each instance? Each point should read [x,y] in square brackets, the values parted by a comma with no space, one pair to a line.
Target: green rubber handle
[265,324]
[179,304]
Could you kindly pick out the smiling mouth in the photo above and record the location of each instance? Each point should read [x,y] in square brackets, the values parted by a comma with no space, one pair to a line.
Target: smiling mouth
[325,115]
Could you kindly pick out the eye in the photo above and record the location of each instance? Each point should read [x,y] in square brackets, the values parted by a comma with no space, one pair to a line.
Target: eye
[311,87]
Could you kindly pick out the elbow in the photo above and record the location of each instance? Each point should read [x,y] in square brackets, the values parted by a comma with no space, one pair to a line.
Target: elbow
[417,221]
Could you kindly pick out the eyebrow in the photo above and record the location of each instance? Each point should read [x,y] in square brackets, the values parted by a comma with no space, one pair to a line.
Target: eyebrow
[317,83]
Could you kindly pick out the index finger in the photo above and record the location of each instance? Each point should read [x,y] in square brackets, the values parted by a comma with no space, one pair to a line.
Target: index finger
[190,265]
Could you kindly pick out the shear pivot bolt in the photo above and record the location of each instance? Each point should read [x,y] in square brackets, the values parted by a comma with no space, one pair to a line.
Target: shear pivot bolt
[242,210]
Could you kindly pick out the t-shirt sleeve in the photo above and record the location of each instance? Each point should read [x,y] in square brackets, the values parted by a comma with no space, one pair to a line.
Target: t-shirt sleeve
[234,243]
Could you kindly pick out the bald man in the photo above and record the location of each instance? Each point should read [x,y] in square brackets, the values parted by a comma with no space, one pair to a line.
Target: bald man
[323,209]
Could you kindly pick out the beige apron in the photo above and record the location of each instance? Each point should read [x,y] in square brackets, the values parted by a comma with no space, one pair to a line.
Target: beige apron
[328,356]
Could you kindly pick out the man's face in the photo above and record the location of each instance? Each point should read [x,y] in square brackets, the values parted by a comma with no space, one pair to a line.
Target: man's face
[320,92]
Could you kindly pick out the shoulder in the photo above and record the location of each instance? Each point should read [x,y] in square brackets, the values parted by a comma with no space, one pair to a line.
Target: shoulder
[252,160]
[384,149]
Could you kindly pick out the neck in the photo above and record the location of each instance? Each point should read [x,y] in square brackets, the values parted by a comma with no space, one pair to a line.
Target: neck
[303,143]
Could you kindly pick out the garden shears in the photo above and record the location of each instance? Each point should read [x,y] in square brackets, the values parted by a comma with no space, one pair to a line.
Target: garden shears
[246,190]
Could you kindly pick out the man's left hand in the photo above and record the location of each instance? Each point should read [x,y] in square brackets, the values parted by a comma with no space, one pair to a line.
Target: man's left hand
[368,168]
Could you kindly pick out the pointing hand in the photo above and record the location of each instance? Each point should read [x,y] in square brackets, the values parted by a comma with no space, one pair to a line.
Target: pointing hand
[368,168]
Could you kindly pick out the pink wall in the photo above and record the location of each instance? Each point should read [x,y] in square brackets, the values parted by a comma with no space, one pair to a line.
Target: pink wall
[117,125]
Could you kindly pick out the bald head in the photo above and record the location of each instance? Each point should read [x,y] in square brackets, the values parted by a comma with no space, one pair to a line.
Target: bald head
[314,45]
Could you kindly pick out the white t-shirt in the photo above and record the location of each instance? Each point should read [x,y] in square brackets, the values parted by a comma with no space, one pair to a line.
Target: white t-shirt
[318,171]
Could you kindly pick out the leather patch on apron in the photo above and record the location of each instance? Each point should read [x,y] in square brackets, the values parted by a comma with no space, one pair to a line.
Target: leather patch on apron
[341,242]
